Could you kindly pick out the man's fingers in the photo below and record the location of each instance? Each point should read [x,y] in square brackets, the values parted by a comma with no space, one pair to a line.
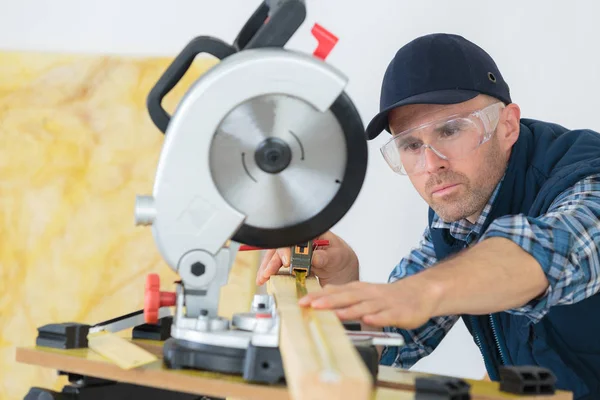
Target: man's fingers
[267,257]
[359,310]
[271,263]
[327,290]
[380,319]
[358,290]
[274,266]
[284,255]
[319,258]
[340,299]
[263,264]
[310,297]
[332,288]
[271,267]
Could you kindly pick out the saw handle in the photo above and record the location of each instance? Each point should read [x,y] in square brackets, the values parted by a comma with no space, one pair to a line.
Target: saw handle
[273,23]
[176,71]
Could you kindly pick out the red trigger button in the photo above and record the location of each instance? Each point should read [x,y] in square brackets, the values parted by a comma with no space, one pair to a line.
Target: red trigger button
[326,39]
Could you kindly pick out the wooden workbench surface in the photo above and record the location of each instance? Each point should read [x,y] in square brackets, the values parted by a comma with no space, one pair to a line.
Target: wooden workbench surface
[392,383]
[480,390]
[86,362]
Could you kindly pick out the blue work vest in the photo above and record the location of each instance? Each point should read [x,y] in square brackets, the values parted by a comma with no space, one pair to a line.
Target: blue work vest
[546,160]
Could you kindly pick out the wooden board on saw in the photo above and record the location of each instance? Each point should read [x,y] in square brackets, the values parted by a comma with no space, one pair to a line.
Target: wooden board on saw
[315,349]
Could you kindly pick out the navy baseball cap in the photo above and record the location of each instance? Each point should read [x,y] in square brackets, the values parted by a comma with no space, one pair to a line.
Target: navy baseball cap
[438,68]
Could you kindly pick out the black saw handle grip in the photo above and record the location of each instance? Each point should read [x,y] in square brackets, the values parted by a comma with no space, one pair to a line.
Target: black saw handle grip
[272,24]
[176,71]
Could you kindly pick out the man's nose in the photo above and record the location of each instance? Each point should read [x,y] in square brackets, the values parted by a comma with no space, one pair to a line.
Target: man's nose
[432,161]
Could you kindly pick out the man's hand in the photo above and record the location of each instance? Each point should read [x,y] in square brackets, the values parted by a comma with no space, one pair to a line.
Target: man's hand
[494,275]
[336,263]
[407,303]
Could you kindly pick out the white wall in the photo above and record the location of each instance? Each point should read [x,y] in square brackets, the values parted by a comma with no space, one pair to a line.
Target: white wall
[548,51]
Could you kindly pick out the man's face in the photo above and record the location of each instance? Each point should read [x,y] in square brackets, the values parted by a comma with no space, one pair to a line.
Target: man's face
[457,189]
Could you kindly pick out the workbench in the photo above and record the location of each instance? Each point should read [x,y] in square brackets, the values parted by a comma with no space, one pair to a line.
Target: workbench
[392,383]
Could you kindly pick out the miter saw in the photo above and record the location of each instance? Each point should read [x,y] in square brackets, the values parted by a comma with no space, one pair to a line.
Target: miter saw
[265,149]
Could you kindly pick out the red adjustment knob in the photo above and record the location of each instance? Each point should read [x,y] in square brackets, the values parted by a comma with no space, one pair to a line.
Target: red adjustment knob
[154,299]
[326,41]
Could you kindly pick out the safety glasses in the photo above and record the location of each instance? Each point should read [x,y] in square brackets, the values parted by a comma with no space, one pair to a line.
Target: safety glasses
[451,138]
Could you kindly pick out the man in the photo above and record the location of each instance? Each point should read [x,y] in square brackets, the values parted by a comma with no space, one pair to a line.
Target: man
[512,244]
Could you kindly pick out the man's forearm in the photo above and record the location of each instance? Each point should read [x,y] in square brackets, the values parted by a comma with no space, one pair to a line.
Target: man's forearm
[494,275]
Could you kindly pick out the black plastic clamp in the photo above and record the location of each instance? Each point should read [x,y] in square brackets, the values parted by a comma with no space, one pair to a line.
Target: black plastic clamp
[527,379]
[160,331]
[442,388]
[68,335]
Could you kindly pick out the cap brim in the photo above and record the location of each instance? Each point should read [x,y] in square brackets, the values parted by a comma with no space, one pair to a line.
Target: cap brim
[379,123]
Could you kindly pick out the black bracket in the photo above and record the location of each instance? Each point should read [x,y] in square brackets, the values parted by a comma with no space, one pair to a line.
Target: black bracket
[160,331]
[442,388]
[68,335]
[527,380]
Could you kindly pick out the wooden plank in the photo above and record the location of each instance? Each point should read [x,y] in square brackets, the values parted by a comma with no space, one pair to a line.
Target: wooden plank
[320,361]
[397,378]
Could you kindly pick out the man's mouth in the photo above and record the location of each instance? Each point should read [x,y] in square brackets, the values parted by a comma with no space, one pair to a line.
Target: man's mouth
[444,189]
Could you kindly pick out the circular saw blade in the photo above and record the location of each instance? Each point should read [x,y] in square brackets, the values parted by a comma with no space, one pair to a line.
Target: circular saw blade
[304,187]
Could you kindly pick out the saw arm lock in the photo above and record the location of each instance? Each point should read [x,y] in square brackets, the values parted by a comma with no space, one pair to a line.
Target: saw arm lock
[264,150]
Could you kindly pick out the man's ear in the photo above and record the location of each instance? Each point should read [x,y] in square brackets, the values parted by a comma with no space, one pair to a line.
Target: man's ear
[510,121]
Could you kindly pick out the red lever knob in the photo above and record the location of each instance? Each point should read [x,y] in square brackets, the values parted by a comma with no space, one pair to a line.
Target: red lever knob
[326,40]
[154,299]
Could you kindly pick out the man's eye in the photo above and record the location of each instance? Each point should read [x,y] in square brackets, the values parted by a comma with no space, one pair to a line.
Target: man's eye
[414,146]
[449,130]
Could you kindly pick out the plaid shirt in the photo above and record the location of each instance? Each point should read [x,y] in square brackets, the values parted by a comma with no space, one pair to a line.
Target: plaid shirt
[565,241]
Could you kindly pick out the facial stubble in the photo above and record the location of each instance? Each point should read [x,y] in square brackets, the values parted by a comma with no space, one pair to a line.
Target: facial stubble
[472,196]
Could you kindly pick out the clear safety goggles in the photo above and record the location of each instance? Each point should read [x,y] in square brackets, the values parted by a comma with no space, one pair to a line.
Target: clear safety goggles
[451,138]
